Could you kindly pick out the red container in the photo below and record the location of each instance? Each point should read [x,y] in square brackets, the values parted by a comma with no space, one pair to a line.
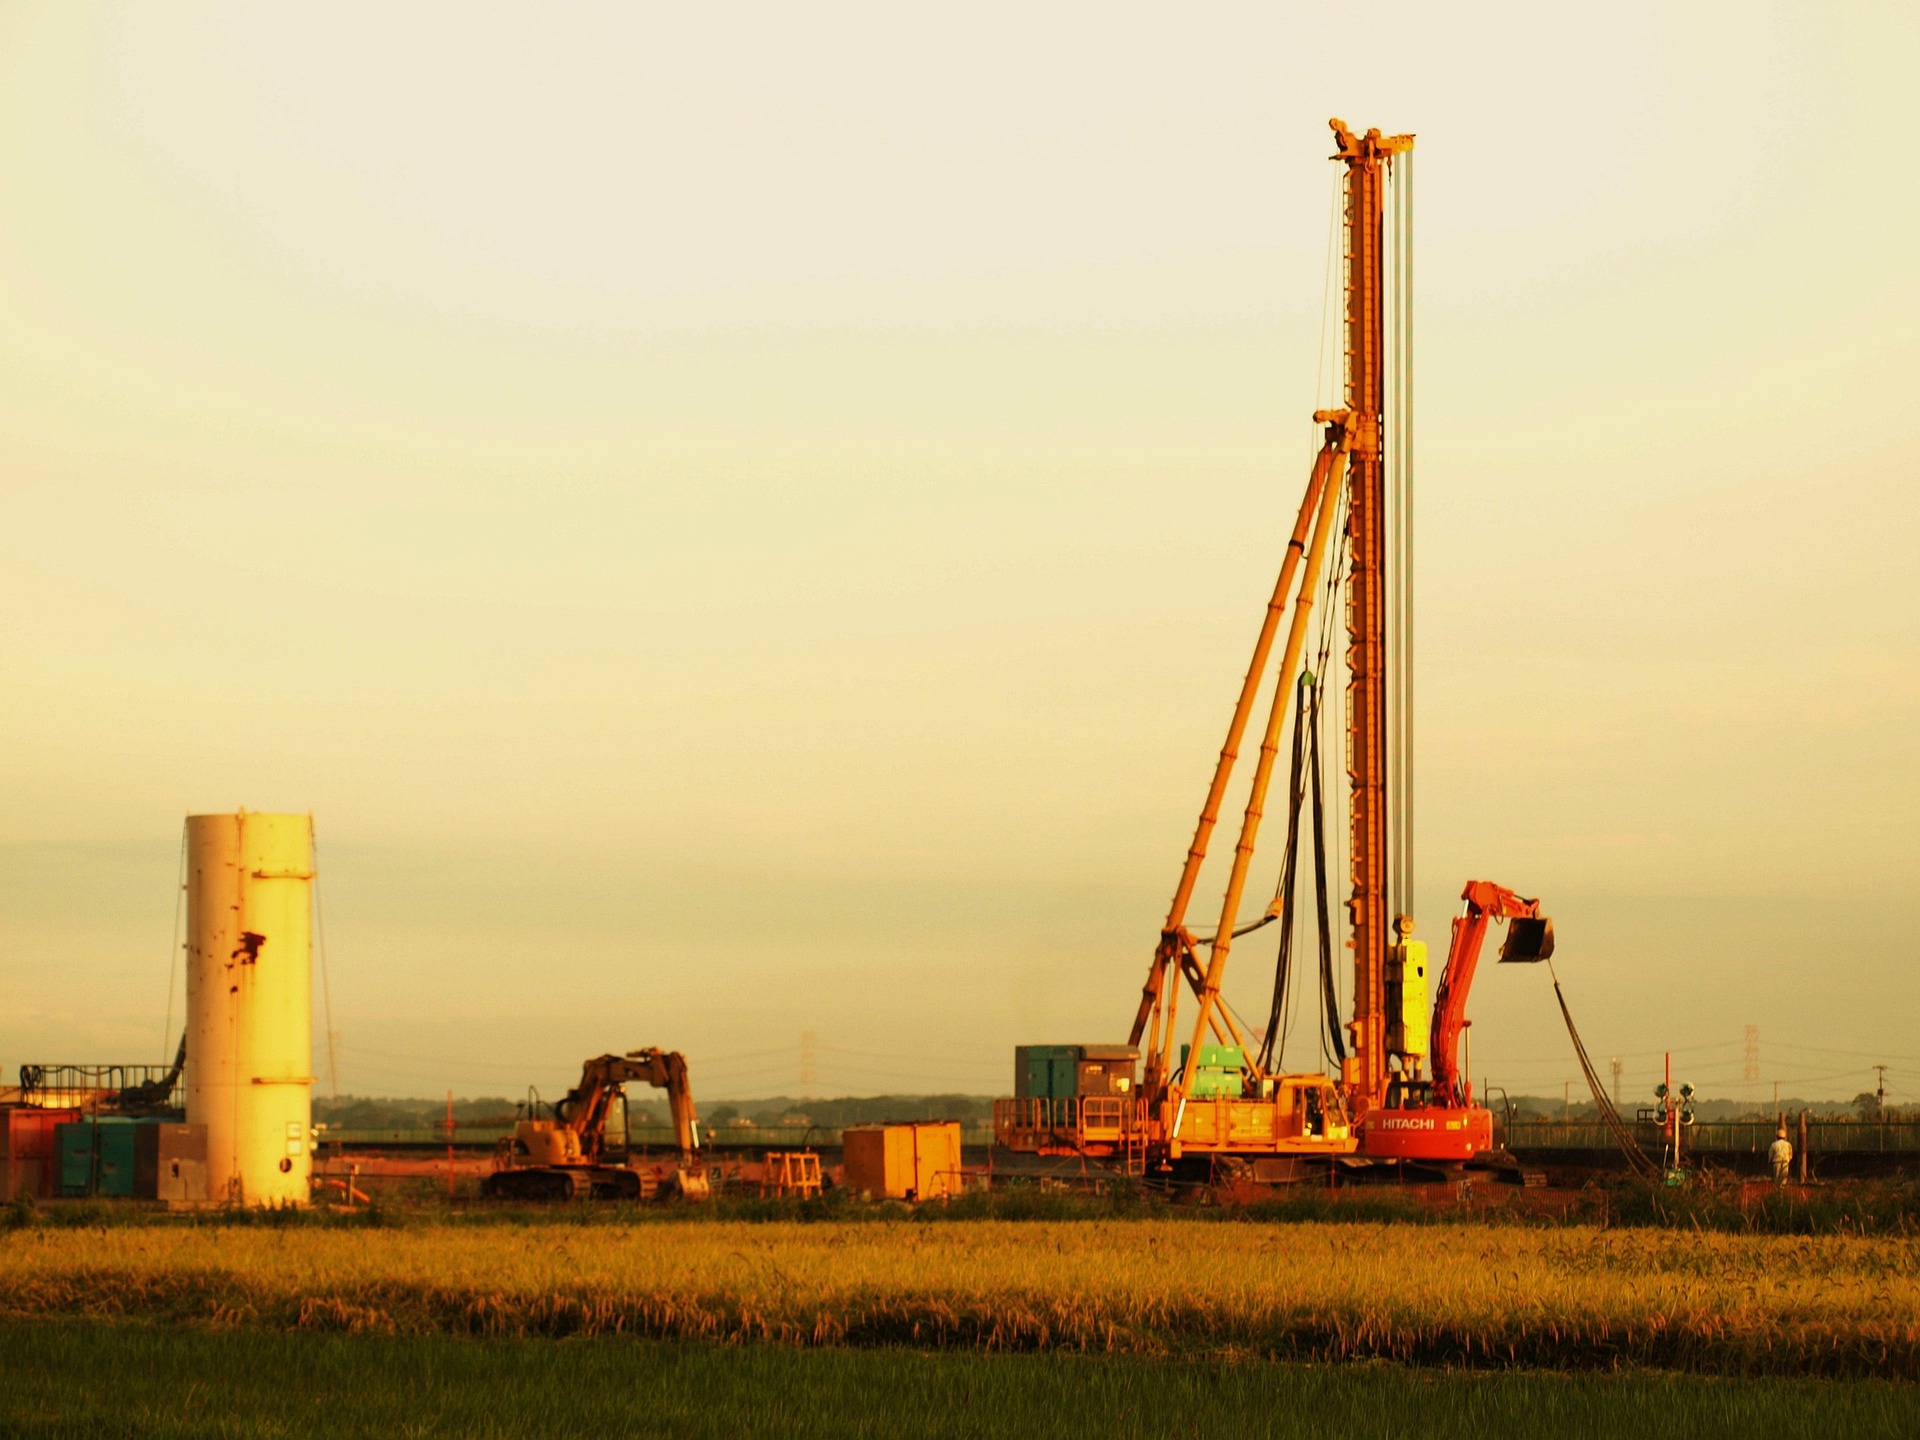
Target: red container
[29,1159]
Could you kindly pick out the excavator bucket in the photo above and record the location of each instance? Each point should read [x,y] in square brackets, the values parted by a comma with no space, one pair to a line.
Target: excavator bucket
[689,1182]
[1528,941]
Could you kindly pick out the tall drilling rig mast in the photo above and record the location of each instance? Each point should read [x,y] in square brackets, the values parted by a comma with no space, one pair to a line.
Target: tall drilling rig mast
[1379,571]
[1209,1097]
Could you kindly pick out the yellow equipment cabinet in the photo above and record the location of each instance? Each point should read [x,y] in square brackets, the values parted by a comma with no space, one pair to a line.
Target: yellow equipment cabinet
[903,1162]
[1407,1000]
[1301,1115]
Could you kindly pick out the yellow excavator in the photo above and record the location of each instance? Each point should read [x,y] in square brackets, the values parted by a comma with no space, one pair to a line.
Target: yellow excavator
[569,1157]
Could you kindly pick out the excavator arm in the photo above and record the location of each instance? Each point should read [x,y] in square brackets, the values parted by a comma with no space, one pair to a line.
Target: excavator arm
[584,1108]
[1529,938]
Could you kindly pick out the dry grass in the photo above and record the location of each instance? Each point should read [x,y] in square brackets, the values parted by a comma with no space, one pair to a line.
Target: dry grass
[1432,1295]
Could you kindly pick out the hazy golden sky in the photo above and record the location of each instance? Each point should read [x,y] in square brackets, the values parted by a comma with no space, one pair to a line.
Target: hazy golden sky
[748,521]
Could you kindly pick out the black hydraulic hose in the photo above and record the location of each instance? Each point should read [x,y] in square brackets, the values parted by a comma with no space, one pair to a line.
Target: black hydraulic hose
[1329,992]
[1289,868]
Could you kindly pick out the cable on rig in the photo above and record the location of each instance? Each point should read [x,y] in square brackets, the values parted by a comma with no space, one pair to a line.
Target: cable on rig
[1636,1157]
[1304,781]
[1289,870]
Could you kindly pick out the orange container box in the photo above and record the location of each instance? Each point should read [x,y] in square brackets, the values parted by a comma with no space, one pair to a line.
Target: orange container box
[903,1162]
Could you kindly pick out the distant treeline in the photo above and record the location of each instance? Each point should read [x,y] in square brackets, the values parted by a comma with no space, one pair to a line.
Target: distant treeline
[851,1110]
[356,1112]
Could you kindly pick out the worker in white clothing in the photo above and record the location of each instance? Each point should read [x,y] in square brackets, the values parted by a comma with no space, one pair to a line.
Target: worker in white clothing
[1780,1154]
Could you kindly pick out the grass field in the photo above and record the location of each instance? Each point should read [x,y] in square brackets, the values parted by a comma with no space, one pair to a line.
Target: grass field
[1714,1202]
[1456,1296]
[84,1380]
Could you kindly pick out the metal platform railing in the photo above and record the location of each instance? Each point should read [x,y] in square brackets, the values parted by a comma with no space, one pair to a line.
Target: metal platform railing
[39,1084]
[1042,1122]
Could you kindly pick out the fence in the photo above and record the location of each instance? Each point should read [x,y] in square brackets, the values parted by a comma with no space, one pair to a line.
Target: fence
[1720,1137]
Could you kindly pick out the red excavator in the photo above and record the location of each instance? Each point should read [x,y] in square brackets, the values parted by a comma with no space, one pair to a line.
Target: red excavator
[569,1157]
[1436,1120]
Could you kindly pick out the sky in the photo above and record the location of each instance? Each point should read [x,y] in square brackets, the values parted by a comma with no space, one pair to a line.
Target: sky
[747,522]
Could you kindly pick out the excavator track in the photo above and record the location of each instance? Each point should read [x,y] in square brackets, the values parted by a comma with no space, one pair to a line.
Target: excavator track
[536,1184]
[563,1182]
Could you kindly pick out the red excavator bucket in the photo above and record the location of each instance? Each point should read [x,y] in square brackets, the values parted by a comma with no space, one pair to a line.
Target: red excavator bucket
[1528,941]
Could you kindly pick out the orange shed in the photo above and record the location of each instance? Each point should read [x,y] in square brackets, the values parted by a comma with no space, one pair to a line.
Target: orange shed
[903,1162]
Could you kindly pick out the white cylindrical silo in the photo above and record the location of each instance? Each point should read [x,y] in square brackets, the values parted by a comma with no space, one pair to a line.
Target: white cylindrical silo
[250,1003]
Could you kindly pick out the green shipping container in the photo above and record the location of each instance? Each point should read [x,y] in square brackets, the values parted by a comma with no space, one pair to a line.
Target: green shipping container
[1044,1072]
[1060,1073]
[1066,1077]
[97,1157]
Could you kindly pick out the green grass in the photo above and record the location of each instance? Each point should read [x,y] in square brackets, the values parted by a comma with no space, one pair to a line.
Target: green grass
[107,1381]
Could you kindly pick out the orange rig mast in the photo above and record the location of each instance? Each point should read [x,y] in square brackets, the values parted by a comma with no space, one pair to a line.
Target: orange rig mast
[1401,1115]
[1371,355]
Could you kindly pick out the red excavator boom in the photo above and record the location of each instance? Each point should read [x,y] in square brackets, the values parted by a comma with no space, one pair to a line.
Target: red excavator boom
[1529,938]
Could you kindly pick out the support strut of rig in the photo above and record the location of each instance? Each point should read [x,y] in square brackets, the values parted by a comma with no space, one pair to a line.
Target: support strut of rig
[1369,741]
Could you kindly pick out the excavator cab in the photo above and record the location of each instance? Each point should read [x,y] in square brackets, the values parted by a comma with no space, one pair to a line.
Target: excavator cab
[541,1142]
[1528,942]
